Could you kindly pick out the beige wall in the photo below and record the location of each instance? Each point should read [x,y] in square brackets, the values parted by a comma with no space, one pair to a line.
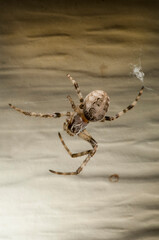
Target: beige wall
[97,42]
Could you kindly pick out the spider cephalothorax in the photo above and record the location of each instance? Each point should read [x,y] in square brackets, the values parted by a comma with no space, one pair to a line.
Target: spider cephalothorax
[75,124]
[91,109]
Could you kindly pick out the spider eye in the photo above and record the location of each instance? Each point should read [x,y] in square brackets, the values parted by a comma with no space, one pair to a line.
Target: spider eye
[96,105]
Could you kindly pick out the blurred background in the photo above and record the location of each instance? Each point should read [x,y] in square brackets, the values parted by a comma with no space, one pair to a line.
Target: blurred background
[98,43]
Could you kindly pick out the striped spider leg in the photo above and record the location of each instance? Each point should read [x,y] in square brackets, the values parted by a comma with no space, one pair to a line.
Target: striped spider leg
[47,115]
[76,88]
[85,136]
[78,91]
[108,118]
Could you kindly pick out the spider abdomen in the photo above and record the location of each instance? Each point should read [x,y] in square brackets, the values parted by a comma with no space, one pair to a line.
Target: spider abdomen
[96,105]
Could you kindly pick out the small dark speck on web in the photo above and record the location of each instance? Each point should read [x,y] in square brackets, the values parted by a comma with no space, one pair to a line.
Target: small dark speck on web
[114,178]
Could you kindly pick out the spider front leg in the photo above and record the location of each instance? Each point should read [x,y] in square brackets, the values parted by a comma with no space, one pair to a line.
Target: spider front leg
[108,118]
[53,115]
[78,91]
[72,103]
[84,135]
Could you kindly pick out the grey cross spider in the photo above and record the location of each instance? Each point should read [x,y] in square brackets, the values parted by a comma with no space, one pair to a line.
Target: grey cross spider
[91,109]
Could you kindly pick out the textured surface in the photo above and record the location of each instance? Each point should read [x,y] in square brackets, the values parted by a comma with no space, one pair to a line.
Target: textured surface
[97,43]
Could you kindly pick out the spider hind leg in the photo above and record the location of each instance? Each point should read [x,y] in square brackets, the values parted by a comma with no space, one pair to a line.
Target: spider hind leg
[78,169]
[84,135]
[73,155]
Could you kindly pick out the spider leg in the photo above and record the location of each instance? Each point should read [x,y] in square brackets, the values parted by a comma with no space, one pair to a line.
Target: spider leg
[72,103]
[53,115]
[84,135]
[78,91]
[73,155]
[108,118]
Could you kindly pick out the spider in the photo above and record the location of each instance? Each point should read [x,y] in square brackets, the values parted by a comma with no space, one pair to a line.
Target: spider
[91,109]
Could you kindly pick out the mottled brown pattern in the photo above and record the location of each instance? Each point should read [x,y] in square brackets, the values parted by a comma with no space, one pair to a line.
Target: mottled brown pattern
[96,105]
